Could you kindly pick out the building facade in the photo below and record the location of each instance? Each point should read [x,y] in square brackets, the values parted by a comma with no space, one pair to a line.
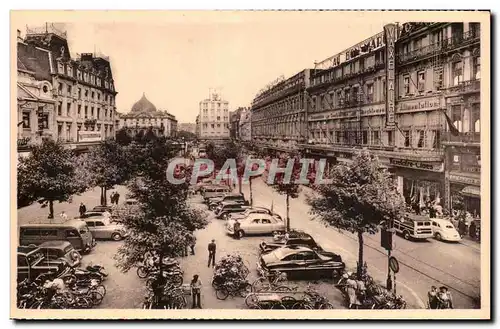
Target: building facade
[186,126]
[82,89]
[234,123]
[214,118]
[144,116]
[198,128]
[278,119]
[391,94]
[245,126]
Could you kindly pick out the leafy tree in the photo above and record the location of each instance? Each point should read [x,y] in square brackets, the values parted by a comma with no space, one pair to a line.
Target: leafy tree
[361,196]
[107,166]
[164,222]
[122,137]
[291,188]
[187,135]
[48,175]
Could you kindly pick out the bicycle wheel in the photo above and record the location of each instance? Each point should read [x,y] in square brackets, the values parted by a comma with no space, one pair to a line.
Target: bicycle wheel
[288,301]
[326,306]
[142,272]
[282,288]
[278,306]
[301,306]
[180,302]
[95,298]
[221,293]
[257,285]
[177,280]
[245,290]
[101,289]
[252,301]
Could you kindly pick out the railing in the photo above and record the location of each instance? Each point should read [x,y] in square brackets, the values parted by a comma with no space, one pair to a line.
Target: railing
[467,137]
[48,28]
[465,87]
[444,45]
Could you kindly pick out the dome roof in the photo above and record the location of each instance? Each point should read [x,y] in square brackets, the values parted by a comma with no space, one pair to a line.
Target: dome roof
[143,105]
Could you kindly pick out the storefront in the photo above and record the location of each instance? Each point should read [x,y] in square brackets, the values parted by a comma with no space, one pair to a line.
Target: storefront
[465,192]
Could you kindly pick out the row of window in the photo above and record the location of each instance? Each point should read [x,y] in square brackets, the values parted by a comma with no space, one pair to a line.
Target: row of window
[84,76]
[212,125]
[275,109]
[93,94]
[212,105]
[108,114]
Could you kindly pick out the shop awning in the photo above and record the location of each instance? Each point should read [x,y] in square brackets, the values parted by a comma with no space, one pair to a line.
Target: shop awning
[471,191]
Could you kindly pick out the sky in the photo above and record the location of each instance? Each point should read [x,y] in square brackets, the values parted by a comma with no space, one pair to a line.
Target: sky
[174,59]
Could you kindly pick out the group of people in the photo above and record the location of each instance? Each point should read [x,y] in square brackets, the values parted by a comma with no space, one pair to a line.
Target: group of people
[431,208]
[467,224]
[439,299]
[115,197]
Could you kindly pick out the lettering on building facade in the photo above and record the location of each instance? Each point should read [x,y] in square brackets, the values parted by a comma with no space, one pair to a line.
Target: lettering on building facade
[390,39]
[419,106]
[465,180]
[416,165]
[89,136]
[354,113]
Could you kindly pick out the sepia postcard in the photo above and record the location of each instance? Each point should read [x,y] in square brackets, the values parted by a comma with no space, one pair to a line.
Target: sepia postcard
[250,165]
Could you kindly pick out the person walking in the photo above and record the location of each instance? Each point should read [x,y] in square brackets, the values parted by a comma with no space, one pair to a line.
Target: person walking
[112,197]
[351,286]
[117,198]
[444,298]
[192,243]
[462,227]
[212,247]
[82,209]
[236,229]
[432,298]
[196,291]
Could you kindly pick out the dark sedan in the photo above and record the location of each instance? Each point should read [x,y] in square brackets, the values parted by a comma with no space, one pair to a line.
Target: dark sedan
[292,238]
[224,209]
[301,261]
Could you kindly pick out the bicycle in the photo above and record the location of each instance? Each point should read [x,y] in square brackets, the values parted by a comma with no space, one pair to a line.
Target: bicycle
[241,288]
[262,284]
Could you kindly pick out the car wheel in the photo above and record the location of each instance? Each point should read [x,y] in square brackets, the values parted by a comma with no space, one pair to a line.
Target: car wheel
[241,234]
[406,235]
[438,236]
[116,236]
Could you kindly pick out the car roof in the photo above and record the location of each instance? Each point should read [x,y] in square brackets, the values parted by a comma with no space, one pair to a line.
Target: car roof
[260,208]
[293,249]
[69,223]
[252,216]
[55,244]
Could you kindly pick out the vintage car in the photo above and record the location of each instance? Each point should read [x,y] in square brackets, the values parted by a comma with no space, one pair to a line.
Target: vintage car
[214,191]
[102,209]
[62,250]
[234,197]
[226,208]
[444,230]
[92,214]
[103,228]
[300,261]
[292,238]
[255,224]
[31,263]
[253,210]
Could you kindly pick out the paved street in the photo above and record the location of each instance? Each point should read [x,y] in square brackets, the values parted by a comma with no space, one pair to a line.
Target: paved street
[422,264]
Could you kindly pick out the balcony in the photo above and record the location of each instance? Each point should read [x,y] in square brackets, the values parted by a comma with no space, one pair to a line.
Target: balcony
[463,138]
[465,87]
[456,41]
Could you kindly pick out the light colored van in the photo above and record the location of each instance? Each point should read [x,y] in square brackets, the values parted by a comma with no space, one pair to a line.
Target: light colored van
[75,231]
[214,191]
[444,230]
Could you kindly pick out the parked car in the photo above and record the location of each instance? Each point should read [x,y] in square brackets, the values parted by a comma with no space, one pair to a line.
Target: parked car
[102,228]
[62,250]
[253,210]
[256,224]
[74,231]
[226,208]
[131,202]
[102,209]
[300,261]
[214,191]
[292,238]
[234,197]
[31,263]
[92,214]
[444,230]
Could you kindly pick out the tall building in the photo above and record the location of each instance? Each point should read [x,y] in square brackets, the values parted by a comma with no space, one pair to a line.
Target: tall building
[245,125]
[144,115]
[279,110]
[234,123]
[389,94]
[82,90]
[198,126]
[187,126]
[214,118]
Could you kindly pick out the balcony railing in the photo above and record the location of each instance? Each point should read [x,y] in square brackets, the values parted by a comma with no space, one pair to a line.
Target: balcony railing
[467,137]
[453,42]
[465,87]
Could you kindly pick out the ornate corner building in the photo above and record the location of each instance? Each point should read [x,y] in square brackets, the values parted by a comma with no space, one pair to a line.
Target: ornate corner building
[71,100]
[144,116]
[213,118]
[409,94]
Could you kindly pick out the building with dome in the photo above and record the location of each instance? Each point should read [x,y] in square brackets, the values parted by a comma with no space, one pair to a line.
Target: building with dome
[144,115]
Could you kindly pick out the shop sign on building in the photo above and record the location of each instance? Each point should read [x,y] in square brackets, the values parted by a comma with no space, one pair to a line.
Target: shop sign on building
[89,136]
[465,180]
[343,114]
[419,105]
[390,49]
[438,167]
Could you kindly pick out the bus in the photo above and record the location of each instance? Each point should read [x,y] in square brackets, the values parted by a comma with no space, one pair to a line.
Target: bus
[414,226]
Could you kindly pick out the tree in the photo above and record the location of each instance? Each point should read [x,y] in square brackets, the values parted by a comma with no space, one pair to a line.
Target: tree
[289,188]
[187,135]
[164,222]
[122,137]
[48,175]
[360,197]
[107,166]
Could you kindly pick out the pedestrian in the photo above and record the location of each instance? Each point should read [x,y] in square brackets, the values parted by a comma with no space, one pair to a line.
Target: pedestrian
[82,209]
[432,298]
[212,247]
[352,285]
[196,291]
[472,230]
[236,229]
[63,216]
[444,297]
[112,197]
[117,198]
[462,227]
[192,240]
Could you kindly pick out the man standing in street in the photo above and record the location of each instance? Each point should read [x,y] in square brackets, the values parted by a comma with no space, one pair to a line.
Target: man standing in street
[211,253]
[117,198]
[82,209]
[236,229]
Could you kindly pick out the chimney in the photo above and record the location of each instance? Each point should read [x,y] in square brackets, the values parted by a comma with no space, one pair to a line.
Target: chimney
[19,38]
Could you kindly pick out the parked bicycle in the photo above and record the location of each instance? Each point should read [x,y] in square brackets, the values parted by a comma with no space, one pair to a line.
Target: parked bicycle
[271,283]
[233,288]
